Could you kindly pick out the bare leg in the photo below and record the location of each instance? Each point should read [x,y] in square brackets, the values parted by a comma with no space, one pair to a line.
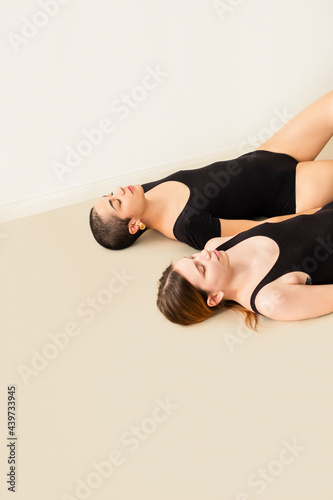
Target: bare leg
[303,137]
[314,184]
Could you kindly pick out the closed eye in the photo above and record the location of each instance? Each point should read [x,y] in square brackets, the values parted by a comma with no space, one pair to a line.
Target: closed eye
[111,204]
[201,269]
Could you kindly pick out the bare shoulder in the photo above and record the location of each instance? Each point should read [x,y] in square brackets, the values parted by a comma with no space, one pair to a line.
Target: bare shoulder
[273,296]
[270,300]
[216,242]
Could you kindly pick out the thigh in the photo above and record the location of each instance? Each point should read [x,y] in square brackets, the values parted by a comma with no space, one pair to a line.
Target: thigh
[314,184]
[305,135]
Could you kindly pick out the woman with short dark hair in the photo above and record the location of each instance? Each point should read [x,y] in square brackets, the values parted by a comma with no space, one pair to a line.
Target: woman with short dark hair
[278,180]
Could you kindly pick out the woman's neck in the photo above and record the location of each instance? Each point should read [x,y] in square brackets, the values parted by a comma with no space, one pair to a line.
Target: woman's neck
[155,209]
[165,202]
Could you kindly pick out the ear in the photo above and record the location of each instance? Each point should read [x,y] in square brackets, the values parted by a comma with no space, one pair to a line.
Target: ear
[214,298]
[134,225]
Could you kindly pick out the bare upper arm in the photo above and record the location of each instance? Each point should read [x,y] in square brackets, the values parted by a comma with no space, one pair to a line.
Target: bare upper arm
[231,227]
[292,302]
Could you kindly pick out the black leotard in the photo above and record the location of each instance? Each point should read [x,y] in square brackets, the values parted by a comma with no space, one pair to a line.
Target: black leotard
[256,184]
[305,243]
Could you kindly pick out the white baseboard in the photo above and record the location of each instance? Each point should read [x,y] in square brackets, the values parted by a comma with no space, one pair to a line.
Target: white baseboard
[95,189]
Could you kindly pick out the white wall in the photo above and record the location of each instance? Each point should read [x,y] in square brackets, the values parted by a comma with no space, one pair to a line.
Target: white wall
[229,68]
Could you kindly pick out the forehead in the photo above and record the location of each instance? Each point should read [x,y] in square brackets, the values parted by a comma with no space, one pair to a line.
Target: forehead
[102,205]
[102,202]
[185,266]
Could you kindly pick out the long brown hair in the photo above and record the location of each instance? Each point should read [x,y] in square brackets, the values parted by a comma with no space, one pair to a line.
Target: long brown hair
[184,304]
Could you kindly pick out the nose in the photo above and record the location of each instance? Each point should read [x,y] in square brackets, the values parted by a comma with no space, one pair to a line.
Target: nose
[119,191]
[205,254]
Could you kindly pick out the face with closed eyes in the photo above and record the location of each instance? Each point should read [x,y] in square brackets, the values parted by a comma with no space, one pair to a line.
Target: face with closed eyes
[128,202]
[209,271]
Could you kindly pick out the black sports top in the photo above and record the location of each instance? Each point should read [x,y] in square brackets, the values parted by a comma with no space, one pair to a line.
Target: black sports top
[305,244]
[256,184]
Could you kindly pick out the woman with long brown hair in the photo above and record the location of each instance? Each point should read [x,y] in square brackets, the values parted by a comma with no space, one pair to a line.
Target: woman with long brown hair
[279,178]
[283,271]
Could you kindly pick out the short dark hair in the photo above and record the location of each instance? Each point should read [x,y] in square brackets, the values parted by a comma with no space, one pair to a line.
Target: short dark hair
[112,233]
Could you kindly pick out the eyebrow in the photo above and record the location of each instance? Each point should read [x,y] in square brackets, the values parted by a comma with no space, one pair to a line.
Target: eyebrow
[110,202]
[192,258]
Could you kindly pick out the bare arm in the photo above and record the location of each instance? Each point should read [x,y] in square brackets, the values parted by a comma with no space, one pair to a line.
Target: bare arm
[280,218]
[231,227]
[294,302]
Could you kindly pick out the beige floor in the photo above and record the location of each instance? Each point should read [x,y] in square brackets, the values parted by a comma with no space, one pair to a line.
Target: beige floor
[133,407]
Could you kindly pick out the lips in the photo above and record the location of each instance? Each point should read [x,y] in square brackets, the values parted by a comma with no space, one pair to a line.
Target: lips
[217,254]
[130,188]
